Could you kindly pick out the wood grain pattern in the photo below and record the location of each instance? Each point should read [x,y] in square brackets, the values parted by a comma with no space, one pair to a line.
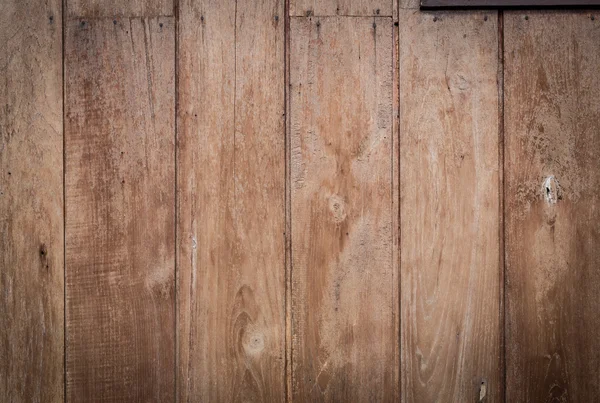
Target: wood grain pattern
[119,139]
[552,169]
[341,8]
[119,8]
[343,332]
[31,202]
[231,181]
[449,206]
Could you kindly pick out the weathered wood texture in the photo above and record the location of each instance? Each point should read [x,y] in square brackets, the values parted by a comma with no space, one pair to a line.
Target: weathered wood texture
[231,186]
[354,251]
[552,170]
[449,206]
[31,202]
[119,8]
[341,8]
[119,139]
[341,201]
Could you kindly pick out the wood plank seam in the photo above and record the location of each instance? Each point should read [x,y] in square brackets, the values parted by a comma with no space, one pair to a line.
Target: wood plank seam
[288,210]
[64,179]
[501,190]
[395,186]
[176,359]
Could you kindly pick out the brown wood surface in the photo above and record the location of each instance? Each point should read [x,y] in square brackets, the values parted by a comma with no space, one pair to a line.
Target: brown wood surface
[119,8]
[231,181]
[552,169]
[363,8]
[31,202]
[449,206]
[343,332]
[422,226]
[119,139]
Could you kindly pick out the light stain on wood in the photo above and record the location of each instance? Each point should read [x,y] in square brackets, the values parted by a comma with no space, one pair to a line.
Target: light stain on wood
[343,332]
[31,203]
[231,180]
[119,139]
[552,179]
[449,204]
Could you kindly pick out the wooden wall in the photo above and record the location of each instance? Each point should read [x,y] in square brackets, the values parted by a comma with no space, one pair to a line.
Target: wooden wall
[351,200]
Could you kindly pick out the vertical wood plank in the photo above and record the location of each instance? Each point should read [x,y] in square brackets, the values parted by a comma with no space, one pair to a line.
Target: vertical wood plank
[119,8]
[341,8]
[119,139]
[231,184]
[552,154]
[449,207]
[31,202]
[341,92]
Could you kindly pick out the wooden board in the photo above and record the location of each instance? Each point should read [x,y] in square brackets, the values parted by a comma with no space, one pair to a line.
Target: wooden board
[552,168]
[231,195]
[449,206]
[31,202]
[120,181]
[343,332]
[119,8]
[341,8]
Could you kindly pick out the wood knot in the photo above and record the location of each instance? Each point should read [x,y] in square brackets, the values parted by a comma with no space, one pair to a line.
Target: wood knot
[337,206]
[460,82]
[253,341]
[551,190]
[482,390]
[44,256]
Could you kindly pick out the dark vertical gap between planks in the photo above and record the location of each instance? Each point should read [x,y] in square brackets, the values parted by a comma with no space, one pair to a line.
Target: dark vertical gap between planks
[64,195]
[176,199]
[399,133]
[501,227]
[287,208]
[235,47]
[396,198]
[395,186]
